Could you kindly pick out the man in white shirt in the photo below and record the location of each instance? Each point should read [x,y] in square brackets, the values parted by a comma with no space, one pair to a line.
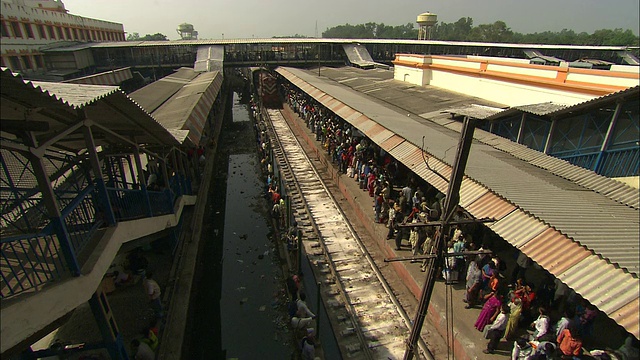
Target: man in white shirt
[563,323]
[303,309]
[496,330]
[541,325]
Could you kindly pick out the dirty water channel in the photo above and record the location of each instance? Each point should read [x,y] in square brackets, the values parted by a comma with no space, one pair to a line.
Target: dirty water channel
[239,311]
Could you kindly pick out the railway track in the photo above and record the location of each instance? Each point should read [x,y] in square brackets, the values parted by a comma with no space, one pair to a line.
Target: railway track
[367,319]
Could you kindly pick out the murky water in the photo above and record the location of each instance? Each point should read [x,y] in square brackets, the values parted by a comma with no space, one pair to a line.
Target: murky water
[237,313]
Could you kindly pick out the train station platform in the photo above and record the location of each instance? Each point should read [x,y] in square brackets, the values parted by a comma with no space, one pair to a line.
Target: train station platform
[536,225]
[468,342]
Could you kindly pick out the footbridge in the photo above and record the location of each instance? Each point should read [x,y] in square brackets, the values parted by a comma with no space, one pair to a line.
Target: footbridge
[305,52]
[85,170]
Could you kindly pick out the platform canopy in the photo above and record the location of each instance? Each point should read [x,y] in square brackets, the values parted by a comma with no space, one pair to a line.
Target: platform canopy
[182,101]
[49,109]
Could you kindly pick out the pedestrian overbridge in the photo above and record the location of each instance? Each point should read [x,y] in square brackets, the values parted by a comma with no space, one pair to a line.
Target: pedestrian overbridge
[213,54]
[86,169]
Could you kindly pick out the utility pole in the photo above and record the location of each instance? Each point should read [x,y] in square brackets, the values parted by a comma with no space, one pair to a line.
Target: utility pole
[451,202]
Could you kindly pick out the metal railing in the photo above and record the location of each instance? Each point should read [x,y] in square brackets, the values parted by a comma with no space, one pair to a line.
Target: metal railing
[80,219]
[30,261]
[127,204]
[619,163]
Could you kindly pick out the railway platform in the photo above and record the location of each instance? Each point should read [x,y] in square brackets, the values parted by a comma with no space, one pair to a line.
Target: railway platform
[465,341]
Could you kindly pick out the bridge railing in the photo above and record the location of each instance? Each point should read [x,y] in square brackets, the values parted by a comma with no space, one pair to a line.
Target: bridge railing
[80,219]
[29,261]
[32,260]
[619,163]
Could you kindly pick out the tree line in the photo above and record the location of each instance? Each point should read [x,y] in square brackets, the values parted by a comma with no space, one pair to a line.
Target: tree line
[155,37]
[464,30]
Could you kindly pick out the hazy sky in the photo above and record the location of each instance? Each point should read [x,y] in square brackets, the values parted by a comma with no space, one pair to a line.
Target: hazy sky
[267,18]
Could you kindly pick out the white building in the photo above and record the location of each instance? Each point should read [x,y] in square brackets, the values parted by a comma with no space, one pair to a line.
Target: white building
[28,26]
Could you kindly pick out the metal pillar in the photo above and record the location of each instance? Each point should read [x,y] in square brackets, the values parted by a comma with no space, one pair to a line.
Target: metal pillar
[451,202]
[183,171]
[51,204]
[142,180]
[607,139]
[521,129]
[176,172]
[107,325]
[105,204]
[552,129]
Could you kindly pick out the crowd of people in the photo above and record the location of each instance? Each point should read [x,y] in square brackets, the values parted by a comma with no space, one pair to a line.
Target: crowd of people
[301,318]
[544,321]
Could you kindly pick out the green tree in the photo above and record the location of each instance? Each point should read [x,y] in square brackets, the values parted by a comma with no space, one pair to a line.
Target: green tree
[154,37]
[496,32]
[133,37]
[463,30]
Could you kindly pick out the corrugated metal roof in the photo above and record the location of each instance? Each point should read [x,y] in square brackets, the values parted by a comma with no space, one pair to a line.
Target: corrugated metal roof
[155,94]
[350,41]
[76,95]
[540,109]
[537,208]
[630,92]
[113,77]
[189,107]
[474,111]
[110,108]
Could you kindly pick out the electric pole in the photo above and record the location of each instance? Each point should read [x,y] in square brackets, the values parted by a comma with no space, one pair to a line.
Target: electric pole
[451,202]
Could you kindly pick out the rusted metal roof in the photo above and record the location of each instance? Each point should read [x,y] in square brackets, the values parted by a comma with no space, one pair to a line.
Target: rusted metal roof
[533,206]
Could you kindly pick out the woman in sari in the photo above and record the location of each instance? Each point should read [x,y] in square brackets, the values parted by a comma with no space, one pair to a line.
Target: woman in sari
[514,319]
[490,310]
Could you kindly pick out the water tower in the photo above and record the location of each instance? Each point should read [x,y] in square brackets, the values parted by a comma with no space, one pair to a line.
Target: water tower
[426,21]
[187,32]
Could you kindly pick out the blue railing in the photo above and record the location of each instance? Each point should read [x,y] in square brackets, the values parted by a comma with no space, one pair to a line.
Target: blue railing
[610,163]
[619,163]
[127,204]
[80,219]
[29,261]
[161,202]
[586,161]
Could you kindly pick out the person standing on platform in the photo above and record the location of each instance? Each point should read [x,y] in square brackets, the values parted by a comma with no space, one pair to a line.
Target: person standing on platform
[495,331]
[153,292]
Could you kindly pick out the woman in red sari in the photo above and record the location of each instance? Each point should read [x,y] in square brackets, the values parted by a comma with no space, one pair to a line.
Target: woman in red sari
[490,310]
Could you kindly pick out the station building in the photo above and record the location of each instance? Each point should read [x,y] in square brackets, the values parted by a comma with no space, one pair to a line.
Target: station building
[31,26]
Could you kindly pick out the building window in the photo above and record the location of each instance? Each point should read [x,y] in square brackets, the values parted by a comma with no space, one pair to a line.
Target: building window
[52,33]
[41,32]
[14,63]
[29,30]
[67,32]
[60,33]
[27,62]
[94,37]
[75,34]
[5,30]
[39,61]
[16,29]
